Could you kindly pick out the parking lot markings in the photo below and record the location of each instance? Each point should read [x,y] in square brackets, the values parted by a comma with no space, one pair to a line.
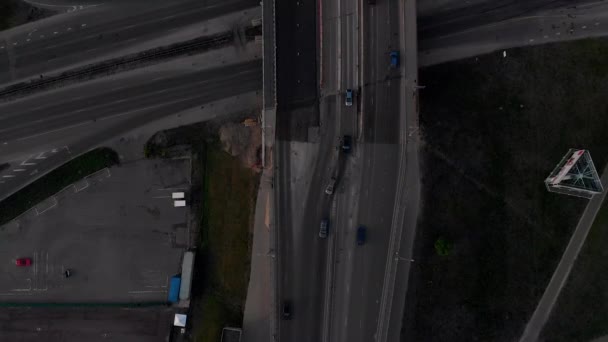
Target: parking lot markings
[25,162]
[47,209]
[76,189]
[25,289]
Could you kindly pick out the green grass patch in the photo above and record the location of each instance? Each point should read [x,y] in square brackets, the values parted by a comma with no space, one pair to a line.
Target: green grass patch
[56,180]
[229,191]
[580,312]
[7,10]
[494,128]
[17,12]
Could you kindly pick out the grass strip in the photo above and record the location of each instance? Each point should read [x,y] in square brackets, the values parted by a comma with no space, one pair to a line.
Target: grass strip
[493,130]
[56,180]
[229,191]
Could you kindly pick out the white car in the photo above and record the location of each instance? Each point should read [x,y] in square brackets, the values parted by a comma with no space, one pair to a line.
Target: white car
[349,97]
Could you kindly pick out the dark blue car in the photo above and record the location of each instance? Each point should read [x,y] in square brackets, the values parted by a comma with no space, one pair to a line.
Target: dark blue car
[394,59]
[361,232]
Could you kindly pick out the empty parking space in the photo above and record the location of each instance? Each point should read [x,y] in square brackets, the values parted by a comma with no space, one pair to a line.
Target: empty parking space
[121,236]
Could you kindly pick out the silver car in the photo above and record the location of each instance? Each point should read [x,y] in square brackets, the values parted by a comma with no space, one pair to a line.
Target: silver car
[330,187]
[324,228]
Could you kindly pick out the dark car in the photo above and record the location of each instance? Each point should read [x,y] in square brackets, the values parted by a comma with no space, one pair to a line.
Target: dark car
[347,143]
[286,310]
[371,2]
[361,234]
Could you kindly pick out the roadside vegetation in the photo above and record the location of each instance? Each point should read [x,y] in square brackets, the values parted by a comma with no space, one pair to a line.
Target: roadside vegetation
[224,192]
[580,311]
[490,235]
[51,183]
[17,12]
[229,191]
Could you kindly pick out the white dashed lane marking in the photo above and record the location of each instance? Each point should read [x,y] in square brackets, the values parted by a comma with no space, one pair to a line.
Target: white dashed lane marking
[42,36]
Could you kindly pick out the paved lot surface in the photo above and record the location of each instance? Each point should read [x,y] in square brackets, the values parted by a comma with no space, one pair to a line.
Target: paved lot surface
[119,232]
[85,324]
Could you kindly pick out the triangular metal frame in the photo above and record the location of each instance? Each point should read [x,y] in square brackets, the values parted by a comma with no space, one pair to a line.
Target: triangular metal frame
[575,175]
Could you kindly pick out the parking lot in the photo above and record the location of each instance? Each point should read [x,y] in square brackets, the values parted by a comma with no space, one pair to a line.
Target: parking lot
[118,232]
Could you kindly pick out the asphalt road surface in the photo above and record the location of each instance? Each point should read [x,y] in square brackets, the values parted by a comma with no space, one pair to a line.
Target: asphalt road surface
[443,22]
[101,229]
[79,36]
[86,324]
[299,205]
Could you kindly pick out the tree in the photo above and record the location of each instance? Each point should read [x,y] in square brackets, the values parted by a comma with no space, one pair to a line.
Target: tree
[443,247]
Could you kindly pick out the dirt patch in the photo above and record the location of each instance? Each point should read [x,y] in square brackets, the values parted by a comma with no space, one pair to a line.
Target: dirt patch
[244,141]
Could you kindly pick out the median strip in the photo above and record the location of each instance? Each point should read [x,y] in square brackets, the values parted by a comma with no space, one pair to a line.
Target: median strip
[45,187]
[128,62]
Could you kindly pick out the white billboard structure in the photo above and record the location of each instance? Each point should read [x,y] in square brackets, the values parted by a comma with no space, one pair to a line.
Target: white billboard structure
[575,175]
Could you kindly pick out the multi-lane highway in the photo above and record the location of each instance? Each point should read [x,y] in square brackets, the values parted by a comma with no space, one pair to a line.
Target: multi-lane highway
[75,37]
[85,115]
[339,290]
[20,120]
[360,270]
[77,117]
